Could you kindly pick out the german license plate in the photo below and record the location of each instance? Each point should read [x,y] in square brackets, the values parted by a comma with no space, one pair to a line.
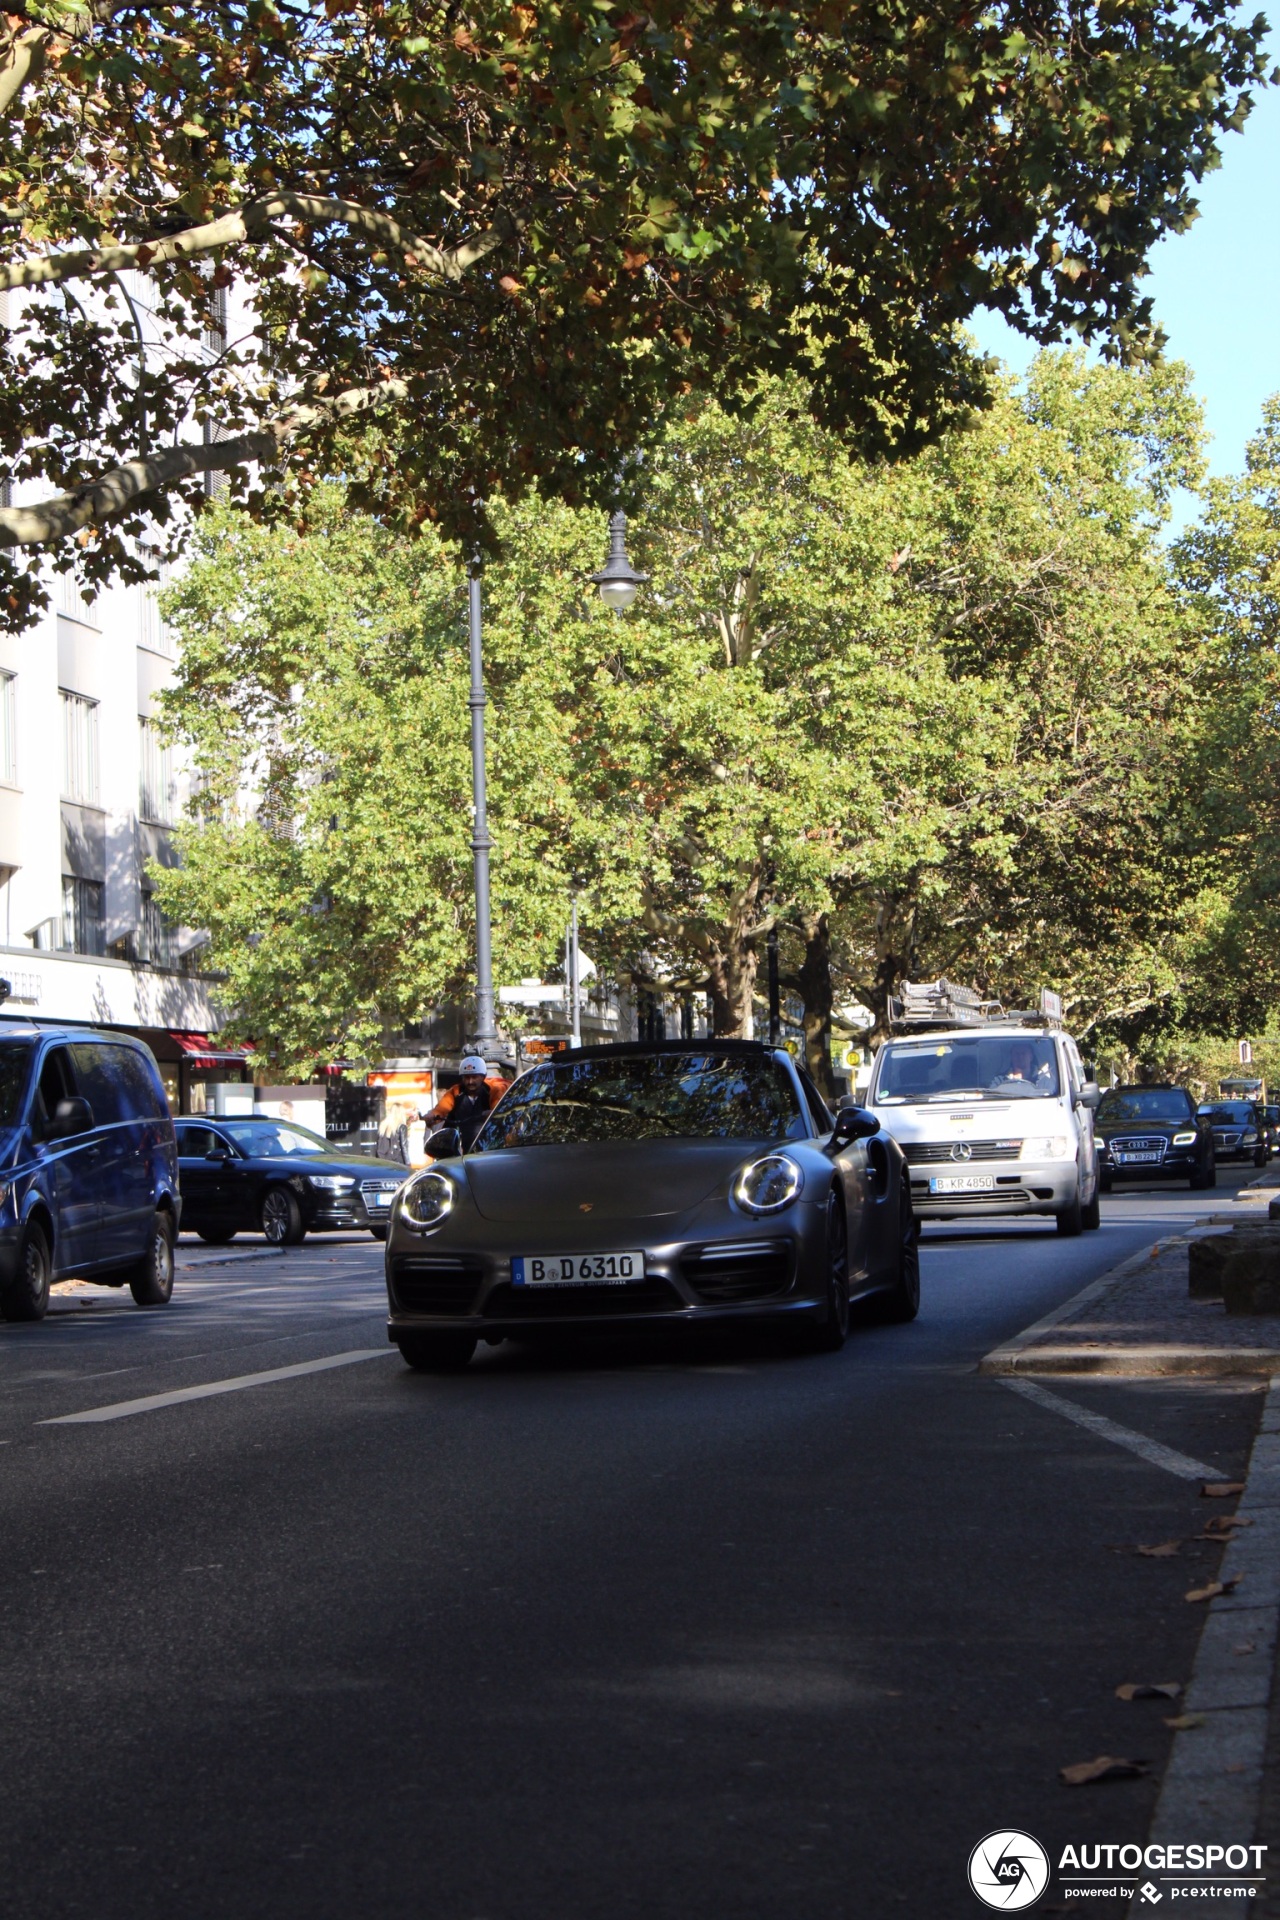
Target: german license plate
[576,1269]
[1138,1159]
[962,1182]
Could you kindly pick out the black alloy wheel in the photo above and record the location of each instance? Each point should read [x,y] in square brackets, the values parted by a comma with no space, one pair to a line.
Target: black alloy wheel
[27,1295]
[282,1218]
[833,1331]
[436,1352]
[151,1280]
[216,1236]
[902,1300]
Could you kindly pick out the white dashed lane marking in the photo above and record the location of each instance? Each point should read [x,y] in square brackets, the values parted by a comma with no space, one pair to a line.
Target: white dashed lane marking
[123,1409]
[1150,1450]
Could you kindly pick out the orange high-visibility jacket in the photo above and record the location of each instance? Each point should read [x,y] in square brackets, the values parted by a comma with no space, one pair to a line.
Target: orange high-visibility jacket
[439,1114]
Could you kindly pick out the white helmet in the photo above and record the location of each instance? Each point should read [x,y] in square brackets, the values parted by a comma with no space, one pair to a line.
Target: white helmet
[472,1063]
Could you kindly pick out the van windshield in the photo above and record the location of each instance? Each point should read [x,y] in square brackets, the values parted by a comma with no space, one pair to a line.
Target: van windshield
[15,1071]
[986,1066]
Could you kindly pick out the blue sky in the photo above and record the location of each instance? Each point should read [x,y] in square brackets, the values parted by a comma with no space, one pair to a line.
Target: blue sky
[1216,288]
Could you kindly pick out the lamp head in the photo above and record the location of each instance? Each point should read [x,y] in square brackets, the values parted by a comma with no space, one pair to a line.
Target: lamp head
[617,579]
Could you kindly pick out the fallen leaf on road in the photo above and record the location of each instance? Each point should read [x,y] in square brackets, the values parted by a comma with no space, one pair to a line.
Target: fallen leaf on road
[1214,1588]
[1246,1646]
[1220,1489]
[1106,1767]
[1182,1721]
[1150,1690]
[1164,1551]
[1221,1526]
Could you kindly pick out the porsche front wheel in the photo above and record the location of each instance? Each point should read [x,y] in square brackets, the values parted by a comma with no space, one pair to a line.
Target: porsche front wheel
[436,1352]
[902,1300]
[833,1330]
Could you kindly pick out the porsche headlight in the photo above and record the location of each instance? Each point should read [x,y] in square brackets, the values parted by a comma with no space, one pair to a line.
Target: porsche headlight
[426,1200]
[1184,1140]
[768,1185]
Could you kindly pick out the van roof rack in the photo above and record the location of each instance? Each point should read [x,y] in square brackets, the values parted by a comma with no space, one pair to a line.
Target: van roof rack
[940,1003]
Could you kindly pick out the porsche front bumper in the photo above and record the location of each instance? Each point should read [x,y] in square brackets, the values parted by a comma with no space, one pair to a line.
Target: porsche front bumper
[766,1269]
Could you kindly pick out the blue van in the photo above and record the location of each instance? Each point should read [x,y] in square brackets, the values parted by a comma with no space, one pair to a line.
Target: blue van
[88,1167]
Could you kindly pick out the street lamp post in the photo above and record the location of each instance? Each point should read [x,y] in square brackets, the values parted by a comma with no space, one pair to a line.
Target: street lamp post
[572,971]
[486,1035]
[618,582]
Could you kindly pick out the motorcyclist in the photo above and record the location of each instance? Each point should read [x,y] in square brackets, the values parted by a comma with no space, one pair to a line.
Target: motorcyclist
[468,1103]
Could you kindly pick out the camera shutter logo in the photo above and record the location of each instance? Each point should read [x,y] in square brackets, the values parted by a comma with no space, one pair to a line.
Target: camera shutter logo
[1008,1871]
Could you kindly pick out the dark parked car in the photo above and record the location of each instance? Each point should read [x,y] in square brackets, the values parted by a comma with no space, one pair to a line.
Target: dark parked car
[88,1167]
[1235,1128]
[640,1186]
[270,1176]
[1153,1133]
[1267,1121]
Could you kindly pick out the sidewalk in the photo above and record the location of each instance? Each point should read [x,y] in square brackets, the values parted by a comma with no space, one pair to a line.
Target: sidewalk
[1140,1320]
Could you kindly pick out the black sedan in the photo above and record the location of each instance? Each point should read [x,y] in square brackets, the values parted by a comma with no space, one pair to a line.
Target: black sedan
[639,1186]
[1153,1133]
[270,1176]
[1235,1129]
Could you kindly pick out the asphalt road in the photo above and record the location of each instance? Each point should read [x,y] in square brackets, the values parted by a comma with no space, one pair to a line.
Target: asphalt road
[582,1632]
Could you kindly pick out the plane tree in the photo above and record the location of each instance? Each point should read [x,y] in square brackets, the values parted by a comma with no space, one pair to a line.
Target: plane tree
[512,234]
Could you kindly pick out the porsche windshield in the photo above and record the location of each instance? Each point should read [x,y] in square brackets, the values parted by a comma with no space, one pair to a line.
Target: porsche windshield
[991,1066]
[690,1096]
[15,1070]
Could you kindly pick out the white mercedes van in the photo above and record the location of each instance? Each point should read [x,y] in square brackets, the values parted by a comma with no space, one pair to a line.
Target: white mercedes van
[993,1110]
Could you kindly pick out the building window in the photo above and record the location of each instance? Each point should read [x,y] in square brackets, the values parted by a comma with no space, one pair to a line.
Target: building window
[73,603]
[83,927]
[157,794]
[9,729]
[158,943]
[79,749]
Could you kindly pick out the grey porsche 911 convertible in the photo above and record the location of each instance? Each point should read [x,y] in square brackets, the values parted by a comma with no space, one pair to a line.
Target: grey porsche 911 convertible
[646,1185]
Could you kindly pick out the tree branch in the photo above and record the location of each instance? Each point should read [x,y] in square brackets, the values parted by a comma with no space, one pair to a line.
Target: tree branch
[90,506]
[252,222]
[23,62]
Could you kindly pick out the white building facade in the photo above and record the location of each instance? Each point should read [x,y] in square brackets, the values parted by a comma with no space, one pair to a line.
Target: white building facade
[89,796]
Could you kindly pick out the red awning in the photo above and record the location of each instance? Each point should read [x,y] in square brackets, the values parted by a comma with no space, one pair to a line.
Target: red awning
[201,1051]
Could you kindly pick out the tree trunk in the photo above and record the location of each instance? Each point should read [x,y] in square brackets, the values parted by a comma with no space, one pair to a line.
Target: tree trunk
[814,981]
[895,959]
[731,972]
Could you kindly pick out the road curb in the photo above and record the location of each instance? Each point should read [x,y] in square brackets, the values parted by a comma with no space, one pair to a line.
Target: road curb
[1028,1353]
[1009,1357]
[228,1259]
[1212,1785]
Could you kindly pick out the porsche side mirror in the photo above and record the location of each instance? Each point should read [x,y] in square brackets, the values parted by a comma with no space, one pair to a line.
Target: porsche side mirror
[853,1123]
[444,1144]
